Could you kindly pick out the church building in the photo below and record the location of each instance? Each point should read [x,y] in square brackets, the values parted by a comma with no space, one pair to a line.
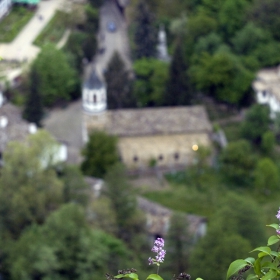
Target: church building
[165,136]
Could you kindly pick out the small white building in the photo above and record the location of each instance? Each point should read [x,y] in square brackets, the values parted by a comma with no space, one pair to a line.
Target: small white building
[267,89]
[94,95]
[5,6]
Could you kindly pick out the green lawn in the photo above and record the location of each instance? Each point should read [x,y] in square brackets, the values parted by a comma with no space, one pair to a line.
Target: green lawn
[54,30]
[12,24]
[201,194]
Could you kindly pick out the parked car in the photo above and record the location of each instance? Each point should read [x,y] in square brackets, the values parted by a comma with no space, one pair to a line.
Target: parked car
[111,26]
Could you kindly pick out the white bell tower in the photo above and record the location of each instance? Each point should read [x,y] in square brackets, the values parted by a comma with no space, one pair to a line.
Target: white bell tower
[94,95]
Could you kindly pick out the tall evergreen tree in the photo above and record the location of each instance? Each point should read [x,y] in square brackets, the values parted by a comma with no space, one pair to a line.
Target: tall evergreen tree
[33,111]
[145,38]
[118,84]
[178,90]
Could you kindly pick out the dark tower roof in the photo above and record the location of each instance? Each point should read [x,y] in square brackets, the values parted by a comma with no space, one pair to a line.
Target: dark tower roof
[93,82]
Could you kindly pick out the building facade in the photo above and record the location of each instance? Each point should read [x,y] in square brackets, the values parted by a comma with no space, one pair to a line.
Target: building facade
[155,136]
[267,89]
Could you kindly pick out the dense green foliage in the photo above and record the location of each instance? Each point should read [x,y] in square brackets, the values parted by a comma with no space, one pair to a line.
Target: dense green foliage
[56,84]
[145,32]
[237,162]
[178,91]
[224,42]
[178,245]
[151,77]
[256,123]
[237,234]
[33,110]
[100,153]
[118,84]
[65,247]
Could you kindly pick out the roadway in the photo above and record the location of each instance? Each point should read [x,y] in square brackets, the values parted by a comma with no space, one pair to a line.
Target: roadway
[112,41]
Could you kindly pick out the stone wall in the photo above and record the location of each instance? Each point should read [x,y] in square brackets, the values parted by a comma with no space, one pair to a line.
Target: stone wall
[166,150]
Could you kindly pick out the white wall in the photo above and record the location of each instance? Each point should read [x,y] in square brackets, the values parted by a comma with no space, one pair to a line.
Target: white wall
[265,97]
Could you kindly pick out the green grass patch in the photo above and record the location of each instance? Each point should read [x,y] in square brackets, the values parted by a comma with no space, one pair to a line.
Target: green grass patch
[201,192]
[196,191]
[53,31]
[13,23]
[232,131]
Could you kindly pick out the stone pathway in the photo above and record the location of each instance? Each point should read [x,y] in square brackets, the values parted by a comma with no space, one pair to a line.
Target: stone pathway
[22,48]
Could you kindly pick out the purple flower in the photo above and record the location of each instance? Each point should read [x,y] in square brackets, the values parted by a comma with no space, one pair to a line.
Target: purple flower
[150,260]
[158,248]
[160,256]
[278,231]
[278,214]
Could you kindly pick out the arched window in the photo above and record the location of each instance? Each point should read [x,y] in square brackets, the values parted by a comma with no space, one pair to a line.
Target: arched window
[94,98]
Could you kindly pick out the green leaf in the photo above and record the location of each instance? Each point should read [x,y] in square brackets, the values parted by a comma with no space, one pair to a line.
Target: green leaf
[235,267]
[262,254]
[276,226]
[275,254]
[269,265]
[129,275]
[154,277]
[269,275]
[263,249]
[199,279]
[251,277]
[273,239]
[257,267]
[250,260]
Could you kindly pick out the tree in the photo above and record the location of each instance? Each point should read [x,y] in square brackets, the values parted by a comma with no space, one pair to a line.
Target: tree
[222,76]
[145,37]
[130,223]
[224,248]
[200,24]
[118,84]
[268,143]
[234,231]
[209,43]
[178,90]
[178,243]
[150,83]
[33,110]
[266,15]
[237,162]
[65,247]
[29,188]
[232,16]
[266,176]
[248,38]
[57,78]
[256,123]
[75,46]
[100,154]
[75,189]
[249,226]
